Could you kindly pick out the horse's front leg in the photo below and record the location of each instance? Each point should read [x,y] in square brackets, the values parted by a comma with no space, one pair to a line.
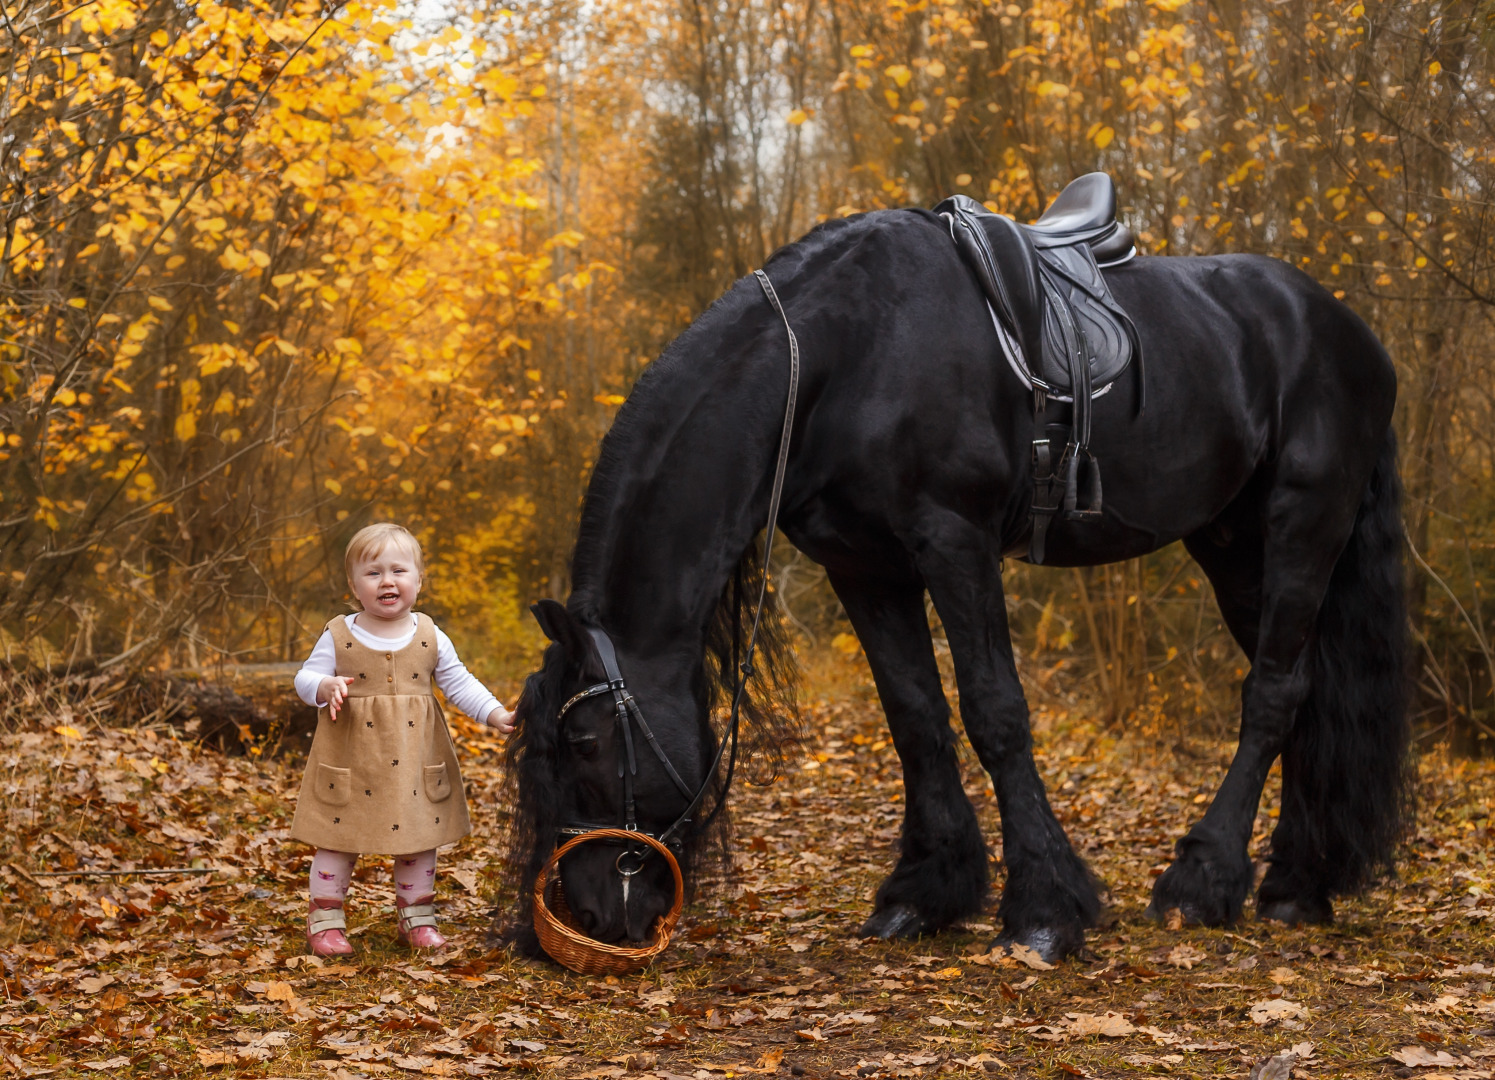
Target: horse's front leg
[1050,895]
[941,874]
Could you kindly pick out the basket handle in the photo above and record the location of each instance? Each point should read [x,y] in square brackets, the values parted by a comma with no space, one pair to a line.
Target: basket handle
[666,925]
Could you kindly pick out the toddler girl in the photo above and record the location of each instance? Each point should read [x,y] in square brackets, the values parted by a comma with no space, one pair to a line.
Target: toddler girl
[382,774]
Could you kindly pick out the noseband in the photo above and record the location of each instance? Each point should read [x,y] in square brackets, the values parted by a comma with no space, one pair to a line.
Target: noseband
[626,709]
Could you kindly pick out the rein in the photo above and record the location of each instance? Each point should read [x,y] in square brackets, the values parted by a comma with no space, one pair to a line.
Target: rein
[627,709]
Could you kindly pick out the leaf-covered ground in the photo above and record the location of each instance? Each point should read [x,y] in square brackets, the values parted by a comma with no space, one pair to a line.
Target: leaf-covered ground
[177,974]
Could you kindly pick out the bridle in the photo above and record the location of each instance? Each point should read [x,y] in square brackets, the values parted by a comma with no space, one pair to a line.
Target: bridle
[626,708]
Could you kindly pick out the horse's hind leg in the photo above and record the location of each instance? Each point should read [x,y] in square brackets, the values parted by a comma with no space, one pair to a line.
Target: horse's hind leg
[1308,518]
[1050,896]
[941,874]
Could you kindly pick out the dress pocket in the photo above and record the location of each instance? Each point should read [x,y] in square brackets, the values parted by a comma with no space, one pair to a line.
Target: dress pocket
[333,785]
[438,784]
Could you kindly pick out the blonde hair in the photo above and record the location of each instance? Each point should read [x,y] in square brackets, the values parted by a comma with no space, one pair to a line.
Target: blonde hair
[370,541]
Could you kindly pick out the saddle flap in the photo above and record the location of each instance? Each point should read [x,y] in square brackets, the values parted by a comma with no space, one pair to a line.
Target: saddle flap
[1081,318]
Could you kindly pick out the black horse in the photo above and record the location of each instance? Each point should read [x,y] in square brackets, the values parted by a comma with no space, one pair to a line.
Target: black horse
[1265,446]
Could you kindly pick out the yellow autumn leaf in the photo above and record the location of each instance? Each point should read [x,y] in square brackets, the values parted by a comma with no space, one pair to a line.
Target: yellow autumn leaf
[333,486]
[899,73]
[797,117]
[67,731]
[77,302]
[846,643]
[407,486]
[1434,68]
[1375,217]
[186,426]
[1103,136]
[160,303]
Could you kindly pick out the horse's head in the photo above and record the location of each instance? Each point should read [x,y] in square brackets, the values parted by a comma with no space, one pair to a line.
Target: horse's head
[574,770]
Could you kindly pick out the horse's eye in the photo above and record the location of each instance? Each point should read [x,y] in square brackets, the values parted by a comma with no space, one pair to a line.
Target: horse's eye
[584,745]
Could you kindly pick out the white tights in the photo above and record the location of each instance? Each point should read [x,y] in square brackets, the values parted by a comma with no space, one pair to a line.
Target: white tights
[331,872]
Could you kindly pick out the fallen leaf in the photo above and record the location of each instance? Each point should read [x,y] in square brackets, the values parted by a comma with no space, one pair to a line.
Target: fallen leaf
[418,1063]
[94,983]
[1110,1025]
[1274,1010]
[111,1064]
[1173,919]
[770,1060]
[1283,975]
[280,991]
[1024,955]
[1185,956]
[810,1035]
[1277,1067]
[1443,1005]
[1418,1057]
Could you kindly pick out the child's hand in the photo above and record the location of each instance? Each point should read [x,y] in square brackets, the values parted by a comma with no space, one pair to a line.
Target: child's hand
[334,690]
[500,718]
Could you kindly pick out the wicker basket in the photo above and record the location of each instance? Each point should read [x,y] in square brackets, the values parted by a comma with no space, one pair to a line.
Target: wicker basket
[555,925]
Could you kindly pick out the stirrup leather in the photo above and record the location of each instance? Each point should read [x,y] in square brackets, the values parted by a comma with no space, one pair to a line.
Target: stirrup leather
[413,915]
[322,919]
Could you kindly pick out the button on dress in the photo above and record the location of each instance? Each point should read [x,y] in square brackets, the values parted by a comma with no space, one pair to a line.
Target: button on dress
[382,778]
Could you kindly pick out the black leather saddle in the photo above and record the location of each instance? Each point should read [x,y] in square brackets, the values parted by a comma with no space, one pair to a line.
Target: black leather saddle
[1060,329]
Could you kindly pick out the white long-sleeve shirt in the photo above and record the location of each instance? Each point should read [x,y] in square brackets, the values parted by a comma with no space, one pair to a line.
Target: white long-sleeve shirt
[461,687]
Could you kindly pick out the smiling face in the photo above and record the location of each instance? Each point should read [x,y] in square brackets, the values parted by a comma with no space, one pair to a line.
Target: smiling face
[387,583]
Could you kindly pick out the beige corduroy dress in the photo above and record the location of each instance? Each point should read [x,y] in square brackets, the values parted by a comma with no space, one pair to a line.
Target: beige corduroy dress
[383,777]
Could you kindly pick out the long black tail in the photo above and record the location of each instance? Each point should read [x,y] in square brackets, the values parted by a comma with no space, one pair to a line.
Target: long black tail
[1347,775]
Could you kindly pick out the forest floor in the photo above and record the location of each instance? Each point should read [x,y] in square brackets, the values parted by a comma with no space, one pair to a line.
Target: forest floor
[204,974]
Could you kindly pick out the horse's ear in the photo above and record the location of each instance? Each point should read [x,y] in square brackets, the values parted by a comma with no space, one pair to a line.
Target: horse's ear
[560,626]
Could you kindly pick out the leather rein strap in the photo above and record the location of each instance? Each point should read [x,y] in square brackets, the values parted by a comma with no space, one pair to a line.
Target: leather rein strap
[627,708]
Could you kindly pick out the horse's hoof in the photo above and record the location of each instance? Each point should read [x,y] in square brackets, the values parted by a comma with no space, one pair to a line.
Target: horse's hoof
[1296,912]
[1205,890]
[1052,943]
[895,921]
[1183,913]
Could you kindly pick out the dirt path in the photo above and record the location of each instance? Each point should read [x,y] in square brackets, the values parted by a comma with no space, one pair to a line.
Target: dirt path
[178,974]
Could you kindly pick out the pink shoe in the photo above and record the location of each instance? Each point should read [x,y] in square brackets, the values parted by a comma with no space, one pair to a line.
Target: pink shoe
[417,921]
[324,929]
